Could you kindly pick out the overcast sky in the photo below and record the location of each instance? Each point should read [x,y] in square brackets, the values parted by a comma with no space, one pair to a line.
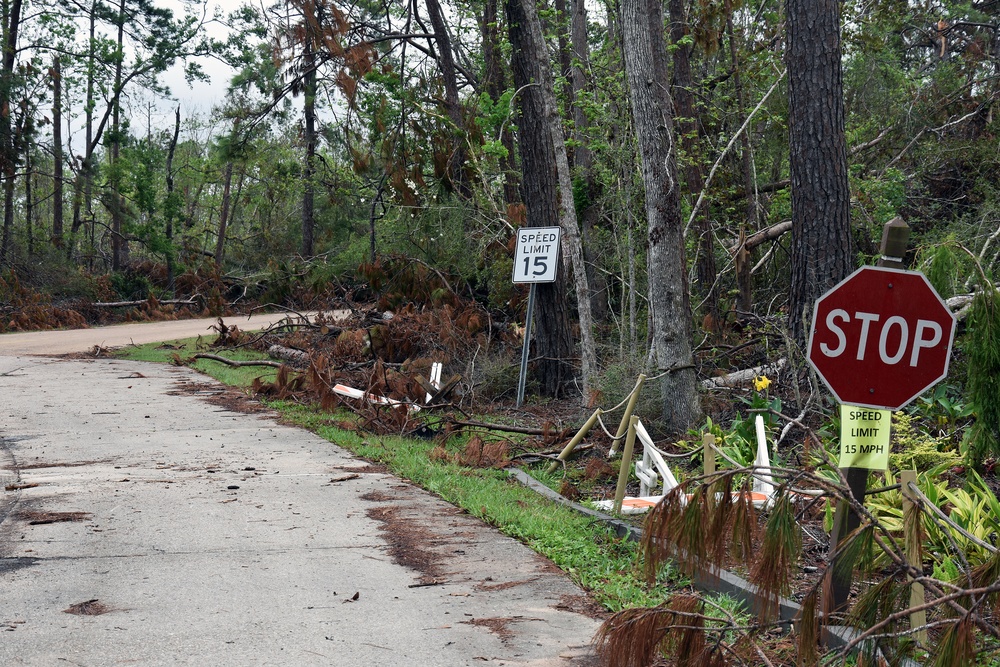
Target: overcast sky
[199,98]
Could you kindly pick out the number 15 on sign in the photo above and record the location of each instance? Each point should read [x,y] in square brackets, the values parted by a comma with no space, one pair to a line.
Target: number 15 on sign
[536,255]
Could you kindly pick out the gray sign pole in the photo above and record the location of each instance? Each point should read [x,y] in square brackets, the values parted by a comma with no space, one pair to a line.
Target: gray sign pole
[527,344]
[536,258]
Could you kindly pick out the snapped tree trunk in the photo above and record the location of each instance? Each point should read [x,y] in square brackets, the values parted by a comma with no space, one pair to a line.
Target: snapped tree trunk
[821,234]
[82,186]
[171,207]
[119,244]
[220,241]
[646,70]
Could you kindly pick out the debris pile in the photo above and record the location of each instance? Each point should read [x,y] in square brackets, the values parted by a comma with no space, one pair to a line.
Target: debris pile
[384,365]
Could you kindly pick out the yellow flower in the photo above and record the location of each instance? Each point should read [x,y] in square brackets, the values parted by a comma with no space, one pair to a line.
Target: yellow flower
[761,382]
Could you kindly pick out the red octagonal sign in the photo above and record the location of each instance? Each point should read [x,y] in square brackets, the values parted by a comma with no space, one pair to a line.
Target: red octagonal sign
[881,337]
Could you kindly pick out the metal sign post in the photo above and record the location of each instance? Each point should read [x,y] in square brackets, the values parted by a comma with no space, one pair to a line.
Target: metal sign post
[522,378]
[536,259]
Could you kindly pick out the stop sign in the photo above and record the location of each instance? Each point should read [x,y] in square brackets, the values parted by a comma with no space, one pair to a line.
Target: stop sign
[881,337]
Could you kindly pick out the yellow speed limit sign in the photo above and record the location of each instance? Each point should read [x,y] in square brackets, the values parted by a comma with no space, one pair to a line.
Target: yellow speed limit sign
[537,254]
[864,437]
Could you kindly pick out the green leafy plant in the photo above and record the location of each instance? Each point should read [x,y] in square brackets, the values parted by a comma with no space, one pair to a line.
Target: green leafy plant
[944,408]
[914,448]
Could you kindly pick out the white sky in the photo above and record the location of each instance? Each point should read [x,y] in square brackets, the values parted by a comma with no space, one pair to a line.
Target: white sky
[145,109]
[202,96]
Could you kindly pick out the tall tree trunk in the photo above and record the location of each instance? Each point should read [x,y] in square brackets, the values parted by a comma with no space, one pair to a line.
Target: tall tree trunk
[689,127]
[565,57]
[220,242]
[57,154]
[572,246]
[744,279]
[583,160]
[821,236]
[446,63]
[494,82]
[83,186]
[646,69]
[8,145]
[540,194]
[235,199]
[29,202]
[309,190]
[119,245]
[172,203]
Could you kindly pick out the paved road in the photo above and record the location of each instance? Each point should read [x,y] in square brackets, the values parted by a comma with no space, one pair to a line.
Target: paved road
[120,335]
[143,521]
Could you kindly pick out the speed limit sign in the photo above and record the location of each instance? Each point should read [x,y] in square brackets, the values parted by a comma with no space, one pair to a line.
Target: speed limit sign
[536,255]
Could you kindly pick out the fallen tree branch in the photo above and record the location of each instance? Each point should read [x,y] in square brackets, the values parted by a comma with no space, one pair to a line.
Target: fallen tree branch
[551,454]
[297,357]
[512,429]
[737,378]
[238,364]
[763,236]
[143,302]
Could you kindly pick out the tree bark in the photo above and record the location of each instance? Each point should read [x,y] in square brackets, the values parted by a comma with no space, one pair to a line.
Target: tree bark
[220,241]
[494,82]
[57,154]
[744,279]
[539,192]
[821,253]
[8,146]
[172,203]
[583,160]
[446,63]
[29,201]
[119,245]
[646,70]
[82,187]
[572,246]
[694,178]
[308,193]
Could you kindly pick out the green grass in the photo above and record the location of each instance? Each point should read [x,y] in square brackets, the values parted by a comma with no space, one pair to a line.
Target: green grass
[590,553]
[185,349]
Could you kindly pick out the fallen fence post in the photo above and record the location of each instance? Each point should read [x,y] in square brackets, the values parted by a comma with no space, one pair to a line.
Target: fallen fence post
[628,413]
[626,465]
[580,435]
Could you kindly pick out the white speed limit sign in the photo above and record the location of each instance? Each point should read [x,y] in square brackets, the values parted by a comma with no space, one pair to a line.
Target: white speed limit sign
[537,254]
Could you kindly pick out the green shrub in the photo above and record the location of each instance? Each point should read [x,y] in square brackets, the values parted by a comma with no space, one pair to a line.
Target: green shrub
[916,449]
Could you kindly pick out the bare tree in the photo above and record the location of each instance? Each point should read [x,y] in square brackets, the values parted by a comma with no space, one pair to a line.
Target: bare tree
[646,69]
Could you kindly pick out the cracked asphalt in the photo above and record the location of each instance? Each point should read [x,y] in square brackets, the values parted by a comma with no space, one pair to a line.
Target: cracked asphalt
[143,523]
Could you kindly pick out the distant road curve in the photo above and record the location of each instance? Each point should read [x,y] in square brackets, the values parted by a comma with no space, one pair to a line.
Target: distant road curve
[69,341]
